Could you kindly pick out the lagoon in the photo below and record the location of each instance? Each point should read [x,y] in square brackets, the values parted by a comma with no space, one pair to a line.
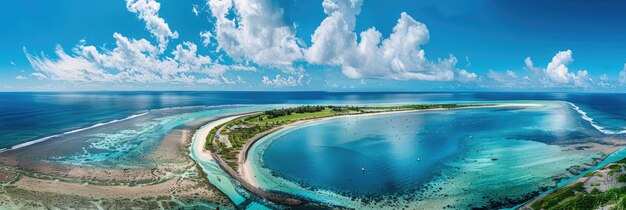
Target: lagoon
[463,158]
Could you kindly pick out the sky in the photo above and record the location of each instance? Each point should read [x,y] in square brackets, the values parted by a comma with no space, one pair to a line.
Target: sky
[329,45]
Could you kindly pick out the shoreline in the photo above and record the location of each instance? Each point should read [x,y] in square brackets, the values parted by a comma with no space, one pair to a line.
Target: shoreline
[203,132]
[245,176]
[172,182]
[614,153]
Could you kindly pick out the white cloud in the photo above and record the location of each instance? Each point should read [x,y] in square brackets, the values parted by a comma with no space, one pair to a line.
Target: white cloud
[257,33]
[397,57]
[280,81]
[67,67]
[557,69]
[130,61]
[335,35]
[557,72]
[529,65]
[39,75]
[464,75]
[206,37]
[194,9]
[148,11]
[20,77]
[581,79]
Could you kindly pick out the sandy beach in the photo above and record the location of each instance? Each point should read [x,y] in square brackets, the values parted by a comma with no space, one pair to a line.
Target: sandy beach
[202,134]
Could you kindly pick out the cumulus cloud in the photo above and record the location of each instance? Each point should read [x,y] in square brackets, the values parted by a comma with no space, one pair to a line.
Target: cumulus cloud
[280,81]
[397,57]
[130,61]
[465,75]
[20,77]
[148,11]
[557,72]
[335,35]
[256,32]
[557,69]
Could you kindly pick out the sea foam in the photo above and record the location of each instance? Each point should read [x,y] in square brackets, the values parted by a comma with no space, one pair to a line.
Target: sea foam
[585,117]
[17,146]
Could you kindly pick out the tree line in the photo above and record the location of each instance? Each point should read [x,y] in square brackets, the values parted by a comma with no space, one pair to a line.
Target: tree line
[287,111]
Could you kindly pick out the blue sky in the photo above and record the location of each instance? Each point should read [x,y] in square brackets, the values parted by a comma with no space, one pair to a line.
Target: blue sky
[335,45]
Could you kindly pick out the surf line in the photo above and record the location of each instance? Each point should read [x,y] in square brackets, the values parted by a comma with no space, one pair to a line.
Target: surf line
[593,123]
[17,146]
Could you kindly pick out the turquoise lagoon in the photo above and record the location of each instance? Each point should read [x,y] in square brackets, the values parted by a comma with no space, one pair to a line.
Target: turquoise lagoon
[466,158]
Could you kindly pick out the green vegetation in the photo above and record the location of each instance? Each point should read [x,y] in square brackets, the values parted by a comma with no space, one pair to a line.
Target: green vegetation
[590,174]
[621,161]
[576,197]
[558,196]
[209,138]
[239,136]
[621,178]
[579,199]
[614,168]
[288,111]
[300,116]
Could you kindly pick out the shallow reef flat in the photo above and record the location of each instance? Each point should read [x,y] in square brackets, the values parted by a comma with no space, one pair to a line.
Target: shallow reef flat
[174,181]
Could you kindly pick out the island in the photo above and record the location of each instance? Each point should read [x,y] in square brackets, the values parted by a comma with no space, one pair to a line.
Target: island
[229,140]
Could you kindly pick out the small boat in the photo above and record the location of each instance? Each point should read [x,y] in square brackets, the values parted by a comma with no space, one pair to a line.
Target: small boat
[218,178]
[418,159]
[362,169]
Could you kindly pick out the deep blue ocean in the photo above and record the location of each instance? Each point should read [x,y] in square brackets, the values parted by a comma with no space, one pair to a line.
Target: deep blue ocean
[27,116]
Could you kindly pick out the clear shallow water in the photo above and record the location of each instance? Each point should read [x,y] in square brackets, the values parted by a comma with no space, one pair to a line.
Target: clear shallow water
[464,158]
[116,128]
[125,144]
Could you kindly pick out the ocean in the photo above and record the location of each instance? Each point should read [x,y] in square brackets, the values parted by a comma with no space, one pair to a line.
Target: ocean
[436,156]
[28,116]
